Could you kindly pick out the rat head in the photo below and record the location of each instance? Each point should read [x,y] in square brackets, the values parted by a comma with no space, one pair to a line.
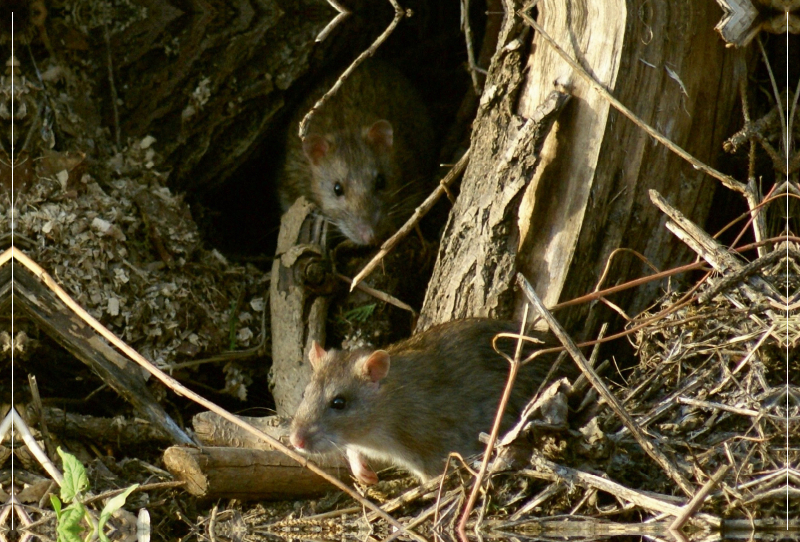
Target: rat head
[355,179]
[339,403]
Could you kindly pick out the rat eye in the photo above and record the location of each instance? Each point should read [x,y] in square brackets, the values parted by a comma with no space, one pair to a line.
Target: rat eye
[338,189]
[380,181]
[338,403]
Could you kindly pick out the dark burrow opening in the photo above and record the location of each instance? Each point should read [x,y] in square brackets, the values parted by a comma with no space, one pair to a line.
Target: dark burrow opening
[242,216]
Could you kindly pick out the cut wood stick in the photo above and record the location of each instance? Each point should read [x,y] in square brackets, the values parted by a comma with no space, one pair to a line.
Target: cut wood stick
[601,388]
[215,472]
[182,390]
[419,212]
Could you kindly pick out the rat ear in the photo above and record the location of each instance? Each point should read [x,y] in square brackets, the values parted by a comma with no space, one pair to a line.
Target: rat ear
[316,355]
[381,134]
[376,366]
[315,147]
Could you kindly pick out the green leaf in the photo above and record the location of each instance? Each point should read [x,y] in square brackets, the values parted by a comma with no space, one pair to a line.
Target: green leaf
[69,537]
[56,502]
[69,525]
[75,479]
[112,506]
[360,314]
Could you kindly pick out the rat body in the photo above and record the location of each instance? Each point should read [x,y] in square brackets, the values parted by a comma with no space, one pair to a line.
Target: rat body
[367,158]
[415,402]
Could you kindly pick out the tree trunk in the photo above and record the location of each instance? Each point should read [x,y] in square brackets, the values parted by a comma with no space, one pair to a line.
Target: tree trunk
[587,195]
[211,93]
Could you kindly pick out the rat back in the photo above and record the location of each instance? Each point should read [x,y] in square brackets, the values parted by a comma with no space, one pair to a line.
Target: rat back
[443,389]
[419,400]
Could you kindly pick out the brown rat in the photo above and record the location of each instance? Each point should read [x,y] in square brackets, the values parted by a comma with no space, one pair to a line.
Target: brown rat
[415,402]
[367,157]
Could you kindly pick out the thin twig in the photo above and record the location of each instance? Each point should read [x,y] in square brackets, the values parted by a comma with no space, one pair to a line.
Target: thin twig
[37,403]
[399,13]
[182,390]
[726,180]
[627,285]
[718,406]
[333,514]
[745,360]
[377,294]
[343,13]
[698,499]
[487,456]
[656,454]
[778,101]
[419,212]
[422,516]
[473,67]
[409,496]
[705,245]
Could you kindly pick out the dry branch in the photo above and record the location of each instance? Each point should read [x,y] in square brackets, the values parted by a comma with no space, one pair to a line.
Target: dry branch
[399,13]
[601,388]
[65,323]
[182,390]
[702,243]
[412,222]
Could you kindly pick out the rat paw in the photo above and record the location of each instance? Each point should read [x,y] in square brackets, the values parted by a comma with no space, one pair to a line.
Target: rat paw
[360,469]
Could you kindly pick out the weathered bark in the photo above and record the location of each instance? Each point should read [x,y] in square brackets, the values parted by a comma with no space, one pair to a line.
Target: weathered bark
[588,196]
[590,193]
[298,313]
[477,257]
[207,79]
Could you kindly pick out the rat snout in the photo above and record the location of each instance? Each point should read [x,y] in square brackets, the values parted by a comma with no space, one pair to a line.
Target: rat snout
[365,233]
[299,440]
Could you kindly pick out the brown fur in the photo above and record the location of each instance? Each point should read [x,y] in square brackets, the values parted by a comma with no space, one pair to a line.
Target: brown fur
[345,145]
[442,389]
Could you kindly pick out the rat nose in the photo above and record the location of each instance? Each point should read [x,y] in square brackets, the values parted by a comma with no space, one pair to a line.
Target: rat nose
[297,440]
[365,233]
